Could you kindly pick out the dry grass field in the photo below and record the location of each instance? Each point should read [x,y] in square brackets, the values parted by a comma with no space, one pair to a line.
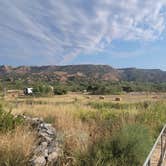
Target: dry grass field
[16,146]
[82,121]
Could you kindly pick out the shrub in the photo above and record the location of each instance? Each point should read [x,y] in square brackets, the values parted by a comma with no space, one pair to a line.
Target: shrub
[129,146]
[7,120]
[42,89]
[60,91]
[101,89]
[127,89]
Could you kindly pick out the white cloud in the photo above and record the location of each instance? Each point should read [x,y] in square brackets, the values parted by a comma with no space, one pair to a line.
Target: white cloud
[63,29]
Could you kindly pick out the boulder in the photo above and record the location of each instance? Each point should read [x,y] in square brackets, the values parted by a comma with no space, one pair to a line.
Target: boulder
[39,161]
[52,156]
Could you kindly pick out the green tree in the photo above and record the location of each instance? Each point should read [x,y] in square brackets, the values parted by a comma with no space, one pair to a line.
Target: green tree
[60,90]
[42,89]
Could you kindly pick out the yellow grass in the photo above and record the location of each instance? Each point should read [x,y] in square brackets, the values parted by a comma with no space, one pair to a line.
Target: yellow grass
[16,146]
[74,132]
[64,111]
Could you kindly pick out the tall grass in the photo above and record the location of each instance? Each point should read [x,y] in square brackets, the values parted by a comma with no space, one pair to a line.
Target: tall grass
[16,146]
[91,131]
[128,146]
[16,140]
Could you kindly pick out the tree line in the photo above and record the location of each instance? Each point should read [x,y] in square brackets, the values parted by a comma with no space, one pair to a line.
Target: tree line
[92,87]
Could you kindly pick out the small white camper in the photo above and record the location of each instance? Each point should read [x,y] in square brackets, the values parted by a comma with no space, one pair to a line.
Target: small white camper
[28,91]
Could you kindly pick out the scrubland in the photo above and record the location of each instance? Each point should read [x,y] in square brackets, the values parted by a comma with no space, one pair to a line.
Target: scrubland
[93,131]
[16,139]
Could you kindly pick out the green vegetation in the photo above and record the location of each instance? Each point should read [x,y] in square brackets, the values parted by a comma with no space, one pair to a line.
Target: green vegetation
[127,133]
[97,79]
[128,145]
[8,121]
[42,90]
[94,87]
[16,140]
[104,88]
[60,90]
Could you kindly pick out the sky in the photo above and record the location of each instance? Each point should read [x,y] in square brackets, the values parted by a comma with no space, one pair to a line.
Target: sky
[123,33]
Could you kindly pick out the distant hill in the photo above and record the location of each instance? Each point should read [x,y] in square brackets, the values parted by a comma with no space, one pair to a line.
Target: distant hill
[84,72]
[143,75]
[59,73]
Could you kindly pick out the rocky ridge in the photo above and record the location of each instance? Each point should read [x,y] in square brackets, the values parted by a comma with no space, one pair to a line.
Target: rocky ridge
[51,74]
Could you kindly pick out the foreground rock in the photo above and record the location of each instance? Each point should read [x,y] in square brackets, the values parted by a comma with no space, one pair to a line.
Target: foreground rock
[48,149]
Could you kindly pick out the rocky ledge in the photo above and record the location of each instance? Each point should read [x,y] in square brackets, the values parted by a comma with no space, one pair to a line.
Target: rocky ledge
[48,149]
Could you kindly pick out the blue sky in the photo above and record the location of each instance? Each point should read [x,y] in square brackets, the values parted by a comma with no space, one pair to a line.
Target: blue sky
[123,33]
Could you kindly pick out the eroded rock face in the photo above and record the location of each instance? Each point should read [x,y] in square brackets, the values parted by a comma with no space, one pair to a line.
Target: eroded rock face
[48,149]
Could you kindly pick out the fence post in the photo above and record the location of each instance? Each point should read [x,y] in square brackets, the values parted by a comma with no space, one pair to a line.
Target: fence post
[162,153]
